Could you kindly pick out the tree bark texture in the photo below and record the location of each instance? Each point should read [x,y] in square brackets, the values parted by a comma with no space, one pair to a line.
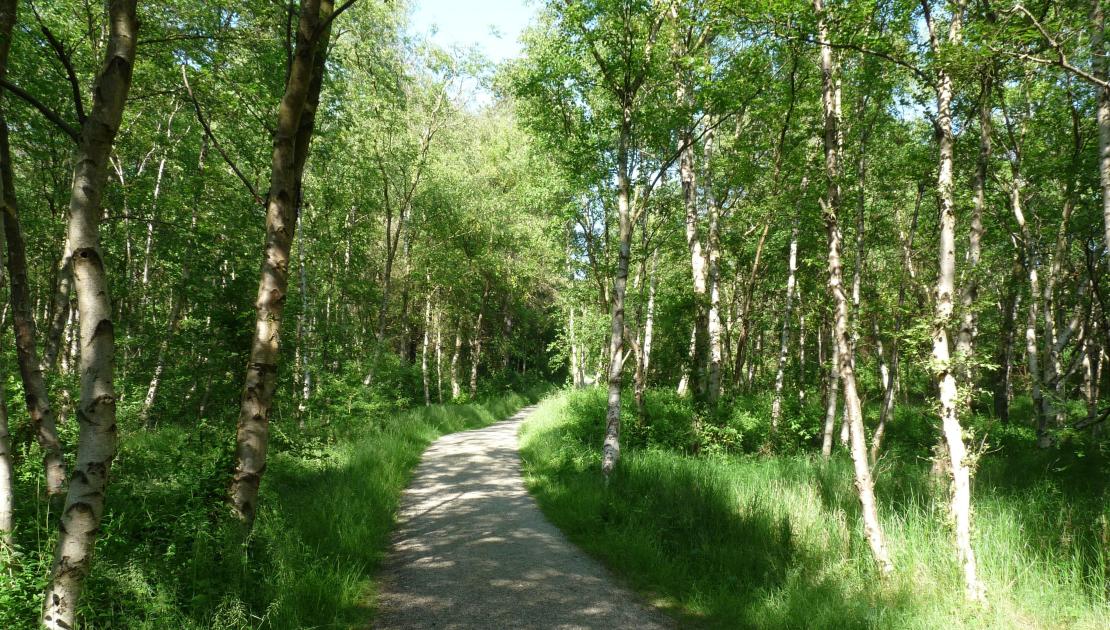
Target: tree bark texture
[873,531]
[36,395]
[295,117]
[96,408]
[944,297]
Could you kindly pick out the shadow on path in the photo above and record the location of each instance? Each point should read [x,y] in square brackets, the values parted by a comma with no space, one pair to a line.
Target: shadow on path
[473,550]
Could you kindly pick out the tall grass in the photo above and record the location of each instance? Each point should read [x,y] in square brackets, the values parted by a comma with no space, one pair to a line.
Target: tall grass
[170,557]
[747,541]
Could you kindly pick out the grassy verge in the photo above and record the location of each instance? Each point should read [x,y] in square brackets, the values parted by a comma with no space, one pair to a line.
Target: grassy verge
[169,556]
[745,541]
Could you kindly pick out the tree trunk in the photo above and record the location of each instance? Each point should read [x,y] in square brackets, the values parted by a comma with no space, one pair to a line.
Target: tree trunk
[830,206]
[644,355]
[41,413]
[424,353]
[160,365]
[698,259]
[296,120]
[96,410]
[611,447]
[1102,71]
[476,344]
[60,309]
[784,338]
[691,359]
[713,278]
[1010,305]
[455,388]
[304,338]
[7,477]
[439,358]
[942,366]
[965,343]
[1091,371]
[886,412]
[744,317]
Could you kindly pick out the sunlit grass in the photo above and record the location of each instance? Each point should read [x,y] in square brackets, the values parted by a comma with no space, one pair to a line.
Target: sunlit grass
[775,542]
[170,556]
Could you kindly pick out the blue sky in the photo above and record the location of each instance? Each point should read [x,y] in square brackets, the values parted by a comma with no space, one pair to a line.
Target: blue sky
[494,26]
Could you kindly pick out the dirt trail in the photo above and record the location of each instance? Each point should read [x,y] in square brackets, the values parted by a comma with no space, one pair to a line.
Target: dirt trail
[473,550]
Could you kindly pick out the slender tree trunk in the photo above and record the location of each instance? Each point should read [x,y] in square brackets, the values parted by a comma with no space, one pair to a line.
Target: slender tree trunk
[455,388]
[439,357]
[296,120]
[746,307]
[96,410]
[684,382]
[965,342]
[1102,70]
[43,420]
[698,259]
[886,412]
[573,341]
[7,477]
[644,356]
[960,469]
[424,350]
[60,309]
[1091,372]
[784,337]
[611,447]
[160,364]
[1032,347]
[476,344]
[1010,305]
[713,278]
[304,336]
[830,206]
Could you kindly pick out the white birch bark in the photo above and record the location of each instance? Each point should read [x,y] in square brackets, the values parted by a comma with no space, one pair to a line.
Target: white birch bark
[456,389]
[784,337]
[944,296]
[873,530]
[96,410]
[713,278]
[424,350]
[439,357]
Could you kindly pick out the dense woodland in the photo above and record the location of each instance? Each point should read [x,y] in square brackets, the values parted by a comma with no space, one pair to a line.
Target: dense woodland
[862,245]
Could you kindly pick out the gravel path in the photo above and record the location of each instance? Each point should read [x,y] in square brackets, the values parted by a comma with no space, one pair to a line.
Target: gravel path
[473,550]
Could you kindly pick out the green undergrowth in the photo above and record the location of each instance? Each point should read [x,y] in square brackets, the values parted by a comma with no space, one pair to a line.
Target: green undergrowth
[726,537]
[171,557]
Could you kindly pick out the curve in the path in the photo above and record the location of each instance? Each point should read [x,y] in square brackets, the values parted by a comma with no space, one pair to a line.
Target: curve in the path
[473,550]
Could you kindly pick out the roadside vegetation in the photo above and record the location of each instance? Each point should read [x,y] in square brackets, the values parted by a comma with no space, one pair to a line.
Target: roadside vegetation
[173,557]
[721,535]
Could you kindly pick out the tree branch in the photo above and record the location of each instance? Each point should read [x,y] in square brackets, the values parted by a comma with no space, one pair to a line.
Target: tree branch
[216,143]
[67,63]
[48,113]
[334,14]
[1061,58]
[917,72]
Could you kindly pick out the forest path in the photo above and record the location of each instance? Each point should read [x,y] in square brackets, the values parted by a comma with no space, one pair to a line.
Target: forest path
[473,550]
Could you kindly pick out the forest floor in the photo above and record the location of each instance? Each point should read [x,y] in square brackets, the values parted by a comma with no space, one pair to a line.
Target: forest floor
[473,550]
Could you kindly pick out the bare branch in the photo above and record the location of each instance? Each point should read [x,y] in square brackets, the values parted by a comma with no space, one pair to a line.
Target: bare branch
[1061,59]
[48,113]
[216,143]
[67,63]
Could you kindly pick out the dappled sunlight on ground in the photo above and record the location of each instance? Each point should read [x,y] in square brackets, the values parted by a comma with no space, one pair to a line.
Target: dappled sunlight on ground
[473,550]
